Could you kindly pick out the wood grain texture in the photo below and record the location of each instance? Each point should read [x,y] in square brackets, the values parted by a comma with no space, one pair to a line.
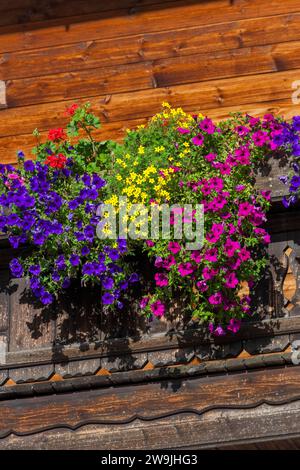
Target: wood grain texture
[203,96]
[181,13]
[261,428]
[150,46]
[26,319]
[24,11]
[160,73]
[150,402]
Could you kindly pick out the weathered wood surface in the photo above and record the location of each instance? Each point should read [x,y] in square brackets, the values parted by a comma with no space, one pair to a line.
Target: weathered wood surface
[259,429]
[256,405]
[128,56]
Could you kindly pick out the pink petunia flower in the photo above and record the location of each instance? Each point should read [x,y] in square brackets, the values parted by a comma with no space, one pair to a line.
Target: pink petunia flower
[202,286]
[182,130]
[209,273]
[161,279]
[174,247]
[211,255]
[230,247]
[169,262]
[244,209]
[215,299]
[196,256]
[260,138]
[198,140]
[210,157]
[157,308]
[234,325]
[231,280]
[185,269]
[144,302]
[207,126]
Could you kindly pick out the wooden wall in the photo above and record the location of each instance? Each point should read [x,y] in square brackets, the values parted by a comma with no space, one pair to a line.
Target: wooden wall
[127,56]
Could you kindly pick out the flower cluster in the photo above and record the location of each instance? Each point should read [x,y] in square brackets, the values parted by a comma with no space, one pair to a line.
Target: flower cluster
[51,205]
[177,159]
[290,136]
[189,159]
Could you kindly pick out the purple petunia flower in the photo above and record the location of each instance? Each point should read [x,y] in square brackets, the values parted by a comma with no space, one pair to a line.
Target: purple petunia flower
[16,268]
[108,283]
[107,298]
[35,269]
[29,166]
[74,260]
[134,277]
[46,298]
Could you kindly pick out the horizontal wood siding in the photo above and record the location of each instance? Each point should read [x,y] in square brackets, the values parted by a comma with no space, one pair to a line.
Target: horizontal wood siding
[127,56]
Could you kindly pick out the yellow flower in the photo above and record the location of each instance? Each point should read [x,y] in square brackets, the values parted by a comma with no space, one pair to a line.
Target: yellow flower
[119,177]
[165,104]
[141,150]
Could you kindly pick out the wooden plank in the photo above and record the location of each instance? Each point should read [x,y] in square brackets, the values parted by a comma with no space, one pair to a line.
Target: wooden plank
[140,20]
[214,94]
[31,11]
[75,85]
[145,47]
[161,73]
[118,348]
[150,401]
[30,327]
[4,301]
[219,429]
[3,103]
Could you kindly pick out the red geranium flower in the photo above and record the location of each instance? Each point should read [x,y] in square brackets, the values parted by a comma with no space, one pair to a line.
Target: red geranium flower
[71,109]
[56,134]
[56,161]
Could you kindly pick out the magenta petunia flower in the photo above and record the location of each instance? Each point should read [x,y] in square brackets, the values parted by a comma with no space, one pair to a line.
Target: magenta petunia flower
[245,209]
[207,126]
[231,280]
[253,121]
[174,247]
[244,254]
[157,308]
[169,262]
[230,247]
[144,302]
[209,273]
[196,256]
[242,130]
[215,299]
[234,325]
[266,195]
[202,286]
[182,130]
[210,157]
[260,138]
[161,279]
[198,140]
[211,255]
[219,331]
[185,269]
